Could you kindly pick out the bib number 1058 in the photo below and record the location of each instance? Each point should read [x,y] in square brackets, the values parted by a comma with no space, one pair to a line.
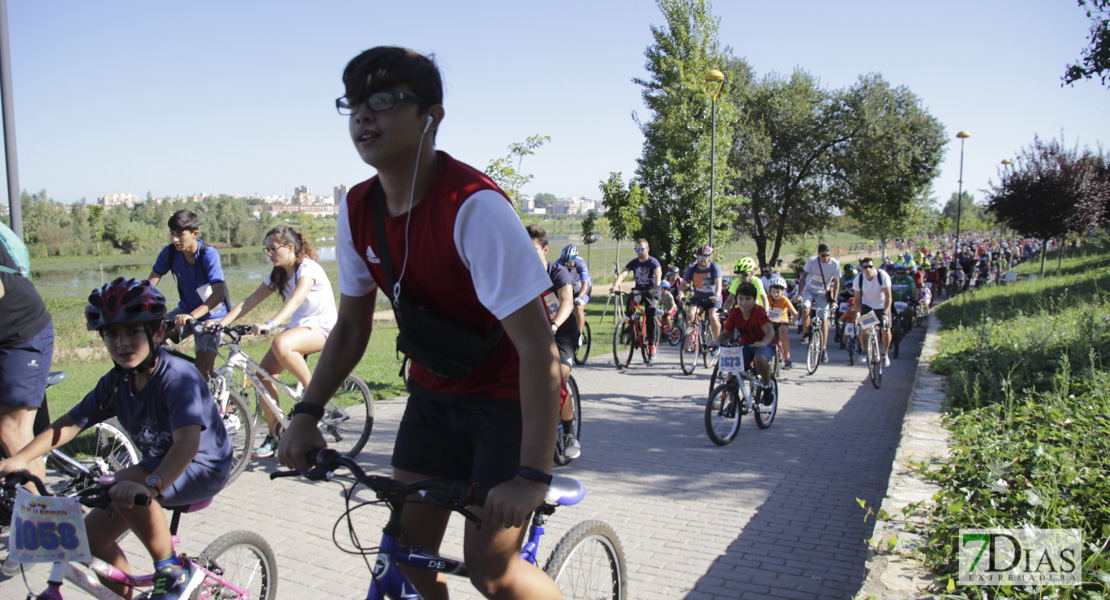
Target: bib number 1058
[47,535]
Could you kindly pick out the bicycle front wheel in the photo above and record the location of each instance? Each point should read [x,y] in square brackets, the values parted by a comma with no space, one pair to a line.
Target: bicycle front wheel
[348,417]
[623,343]
[674,334]
[576,422]
[813,354]
[582,352]
[896,336]
[722,415]
[851,346]
[239,560]
[236,417]
[874,360]
[588,563]
[689,352]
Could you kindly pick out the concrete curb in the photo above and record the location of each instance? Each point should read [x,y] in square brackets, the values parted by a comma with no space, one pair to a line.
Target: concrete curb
[897,575]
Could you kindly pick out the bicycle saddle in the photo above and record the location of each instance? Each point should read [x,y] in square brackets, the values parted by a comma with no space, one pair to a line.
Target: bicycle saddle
[190,508]
[564,491]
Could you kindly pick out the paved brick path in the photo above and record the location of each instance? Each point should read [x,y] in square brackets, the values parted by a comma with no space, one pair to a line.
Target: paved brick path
[773,515]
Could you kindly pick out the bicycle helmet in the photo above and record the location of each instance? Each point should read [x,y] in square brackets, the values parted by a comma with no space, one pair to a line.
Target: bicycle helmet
[705,250]
[745,266]
[778,281]
[570,252]
[665,285]
[128,301]
[124,301]
[900,267]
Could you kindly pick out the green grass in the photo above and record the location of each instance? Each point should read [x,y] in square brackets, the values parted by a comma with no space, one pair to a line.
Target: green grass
[1028,396]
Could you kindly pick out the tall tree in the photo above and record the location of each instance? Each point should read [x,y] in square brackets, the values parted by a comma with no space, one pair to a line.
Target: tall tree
[781,160]
[674,167]
[1051,191]
[623,206]
[1096,57]
[893,156]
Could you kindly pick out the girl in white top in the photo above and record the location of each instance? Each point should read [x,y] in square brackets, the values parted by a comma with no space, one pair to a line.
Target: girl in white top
[309,307]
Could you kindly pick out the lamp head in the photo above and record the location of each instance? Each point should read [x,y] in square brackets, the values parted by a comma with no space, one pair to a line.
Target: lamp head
[963,134]
[714,75]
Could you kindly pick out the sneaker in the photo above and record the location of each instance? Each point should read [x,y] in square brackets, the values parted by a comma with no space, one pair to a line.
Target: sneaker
[651,351]
[786,366]
[266,450]
[581,340]
[805,340]
[174,583]
[886,361]
[571,448]
[824,356]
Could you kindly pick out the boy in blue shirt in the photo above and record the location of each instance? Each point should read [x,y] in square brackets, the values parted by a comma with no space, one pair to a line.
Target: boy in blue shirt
[200,285]
[166,408]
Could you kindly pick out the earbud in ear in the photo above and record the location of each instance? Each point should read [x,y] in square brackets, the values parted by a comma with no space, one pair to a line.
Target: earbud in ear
[428,124]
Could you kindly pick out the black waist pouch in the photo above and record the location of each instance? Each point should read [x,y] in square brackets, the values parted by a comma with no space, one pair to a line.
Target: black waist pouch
[441,347]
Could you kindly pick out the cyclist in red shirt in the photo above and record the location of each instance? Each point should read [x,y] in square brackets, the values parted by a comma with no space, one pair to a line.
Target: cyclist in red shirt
[753,329]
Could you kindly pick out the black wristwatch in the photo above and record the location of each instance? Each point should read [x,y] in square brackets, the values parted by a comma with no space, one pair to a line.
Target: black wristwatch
[534,475]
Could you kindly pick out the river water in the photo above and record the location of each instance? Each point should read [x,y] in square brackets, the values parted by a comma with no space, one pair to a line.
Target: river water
[244,266]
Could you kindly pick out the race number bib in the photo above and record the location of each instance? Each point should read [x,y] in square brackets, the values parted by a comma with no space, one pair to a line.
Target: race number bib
[551,302]
[47,529]
[850,329]
[775,314]
[900,307]
[732,360]
[869,320]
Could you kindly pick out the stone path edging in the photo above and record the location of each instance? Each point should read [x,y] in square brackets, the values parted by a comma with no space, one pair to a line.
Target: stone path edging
[892,575]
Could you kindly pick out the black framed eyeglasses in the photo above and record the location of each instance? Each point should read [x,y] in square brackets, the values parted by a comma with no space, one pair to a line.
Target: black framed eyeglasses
[377,101]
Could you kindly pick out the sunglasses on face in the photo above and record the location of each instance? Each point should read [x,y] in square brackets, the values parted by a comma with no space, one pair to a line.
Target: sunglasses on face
[641,249]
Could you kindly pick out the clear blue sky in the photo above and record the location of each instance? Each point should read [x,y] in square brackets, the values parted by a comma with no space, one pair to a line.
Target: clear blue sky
[237,97]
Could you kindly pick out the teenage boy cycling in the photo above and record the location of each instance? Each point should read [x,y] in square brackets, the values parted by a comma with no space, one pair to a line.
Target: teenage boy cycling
[456,248]
[873,293]
[560,306]
[649,274]
[200,285]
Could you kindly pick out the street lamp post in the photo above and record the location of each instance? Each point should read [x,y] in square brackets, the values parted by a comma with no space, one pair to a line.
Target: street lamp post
[963,135]
[719,77]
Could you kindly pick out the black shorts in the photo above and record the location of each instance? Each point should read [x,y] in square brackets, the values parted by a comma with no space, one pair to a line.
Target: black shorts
[459,437]
[566,350]
[705,303]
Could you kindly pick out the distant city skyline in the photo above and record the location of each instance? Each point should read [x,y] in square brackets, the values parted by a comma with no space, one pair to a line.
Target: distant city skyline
[234,98]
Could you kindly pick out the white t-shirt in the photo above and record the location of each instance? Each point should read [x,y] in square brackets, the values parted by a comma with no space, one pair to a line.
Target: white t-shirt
[872,289]
[504,268]
[318,308]
[815,281]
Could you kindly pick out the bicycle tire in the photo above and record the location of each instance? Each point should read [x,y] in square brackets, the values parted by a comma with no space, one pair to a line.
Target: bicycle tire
[103,451]
[576,422]
[622,343]
[722,415]
[243,559]
[713,377]
[765,413]
[813,353]
[707,358]
[850,345]
[874,360]
[674,335]
[348,417]
[589,563]
[236,418]
[582,352]
[896,336]
[687,355]
[776,370]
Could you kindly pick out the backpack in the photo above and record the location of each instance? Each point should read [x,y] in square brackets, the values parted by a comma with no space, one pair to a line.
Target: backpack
[17,250]
[203,249]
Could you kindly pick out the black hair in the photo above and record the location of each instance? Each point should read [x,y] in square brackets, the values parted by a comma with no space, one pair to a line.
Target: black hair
[537,233]
[184,220]
[746,289]
[384,67]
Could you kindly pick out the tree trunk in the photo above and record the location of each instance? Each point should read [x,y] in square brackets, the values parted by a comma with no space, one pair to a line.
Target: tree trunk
[1044,254]
[1060,253]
